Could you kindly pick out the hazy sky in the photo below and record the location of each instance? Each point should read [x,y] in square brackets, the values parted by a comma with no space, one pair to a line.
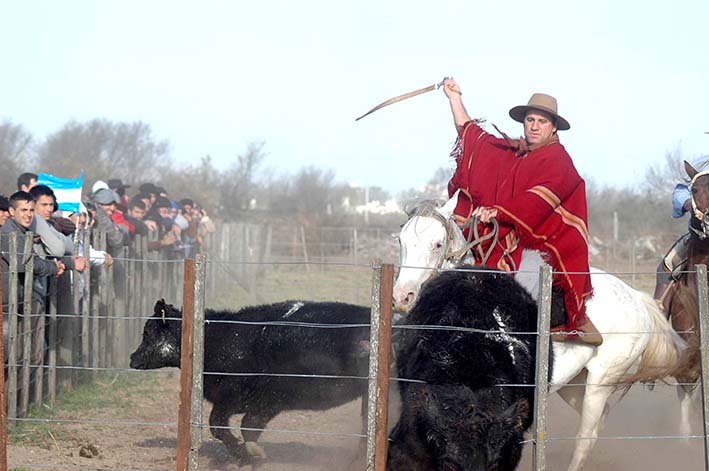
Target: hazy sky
[632,77]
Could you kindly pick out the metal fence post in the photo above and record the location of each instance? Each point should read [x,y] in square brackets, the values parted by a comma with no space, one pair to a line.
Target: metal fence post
[541,389]
[703,306]
[379,366]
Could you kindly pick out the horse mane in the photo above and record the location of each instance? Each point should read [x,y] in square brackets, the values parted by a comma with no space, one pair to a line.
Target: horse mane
[424,207]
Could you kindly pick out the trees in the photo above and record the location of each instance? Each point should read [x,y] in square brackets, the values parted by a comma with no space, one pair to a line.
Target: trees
[104,149]
[15,154]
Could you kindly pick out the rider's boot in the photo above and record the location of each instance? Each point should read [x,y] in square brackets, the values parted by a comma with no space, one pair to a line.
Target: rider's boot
[587,334]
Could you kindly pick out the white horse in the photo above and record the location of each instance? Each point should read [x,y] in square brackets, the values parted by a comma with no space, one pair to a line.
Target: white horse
[638,342]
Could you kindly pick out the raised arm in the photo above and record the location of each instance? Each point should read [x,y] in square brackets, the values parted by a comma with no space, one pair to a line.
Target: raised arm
[452,91]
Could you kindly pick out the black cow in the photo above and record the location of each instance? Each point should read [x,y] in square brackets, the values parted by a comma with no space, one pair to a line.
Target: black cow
[458,417]
[252,347]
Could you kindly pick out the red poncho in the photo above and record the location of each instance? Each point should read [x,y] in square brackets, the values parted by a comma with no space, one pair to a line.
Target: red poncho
[541,205]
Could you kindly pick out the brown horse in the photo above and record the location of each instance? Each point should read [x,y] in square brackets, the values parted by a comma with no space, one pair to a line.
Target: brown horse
[682,304]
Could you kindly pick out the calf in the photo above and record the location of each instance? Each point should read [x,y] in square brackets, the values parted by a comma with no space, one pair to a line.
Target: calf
[466,411]
[252,347]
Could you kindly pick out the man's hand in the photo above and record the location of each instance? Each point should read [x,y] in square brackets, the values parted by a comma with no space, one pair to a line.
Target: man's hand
[484,213]
[80,264]
[451,88]
[152,227]
[107,259]
[169,239]
[60,267]
[460,220]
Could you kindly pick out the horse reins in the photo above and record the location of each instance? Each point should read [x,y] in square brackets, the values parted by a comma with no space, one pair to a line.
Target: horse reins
[474,240]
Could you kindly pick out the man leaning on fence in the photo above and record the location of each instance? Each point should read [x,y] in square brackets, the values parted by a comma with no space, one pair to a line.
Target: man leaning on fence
[21,221]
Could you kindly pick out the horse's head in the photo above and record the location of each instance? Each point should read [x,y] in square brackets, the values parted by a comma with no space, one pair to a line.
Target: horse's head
[429,240]
[699,188]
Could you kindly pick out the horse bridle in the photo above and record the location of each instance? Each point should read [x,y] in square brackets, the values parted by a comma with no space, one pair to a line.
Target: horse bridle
[703,217]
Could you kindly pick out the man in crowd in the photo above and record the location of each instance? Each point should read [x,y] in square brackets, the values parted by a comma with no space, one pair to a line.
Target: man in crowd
[116,236]
[4,209]
[52,243]
[26,181]
[116,184]
[22,220]
[135,214]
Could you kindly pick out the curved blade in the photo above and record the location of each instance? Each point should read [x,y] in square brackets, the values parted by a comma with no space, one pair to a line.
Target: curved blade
[404,97]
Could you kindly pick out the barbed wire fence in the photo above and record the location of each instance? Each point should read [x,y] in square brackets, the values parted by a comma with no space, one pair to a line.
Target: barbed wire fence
[94,332]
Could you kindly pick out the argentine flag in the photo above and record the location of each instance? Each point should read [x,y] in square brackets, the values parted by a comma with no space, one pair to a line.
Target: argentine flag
[68,192]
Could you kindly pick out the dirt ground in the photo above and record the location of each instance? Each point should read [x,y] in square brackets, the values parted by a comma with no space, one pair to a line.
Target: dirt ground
[136,446]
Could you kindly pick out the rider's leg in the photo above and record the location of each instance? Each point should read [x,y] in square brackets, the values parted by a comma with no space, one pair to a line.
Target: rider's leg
[588,332]
[662,280]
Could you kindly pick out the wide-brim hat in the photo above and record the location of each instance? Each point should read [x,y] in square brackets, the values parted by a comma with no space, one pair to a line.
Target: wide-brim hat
[116,184]
[543,102]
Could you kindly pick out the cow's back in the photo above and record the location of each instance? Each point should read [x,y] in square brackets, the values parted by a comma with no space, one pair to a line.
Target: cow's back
[264,339]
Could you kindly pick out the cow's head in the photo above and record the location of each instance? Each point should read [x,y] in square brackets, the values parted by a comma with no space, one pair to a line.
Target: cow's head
[161,339]
[476,429]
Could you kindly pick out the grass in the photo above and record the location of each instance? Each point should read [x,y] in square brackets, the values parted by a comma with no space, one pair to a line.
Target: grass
[110,391]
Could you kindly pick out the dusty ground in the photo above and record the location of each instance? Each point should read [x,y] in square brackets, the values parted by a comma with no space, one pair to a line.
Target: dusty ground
[152,447]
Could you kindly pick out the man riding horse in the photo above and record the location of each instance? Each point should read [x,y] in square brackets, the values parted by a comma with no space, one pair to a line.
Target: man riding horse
[529,192]
[674,263]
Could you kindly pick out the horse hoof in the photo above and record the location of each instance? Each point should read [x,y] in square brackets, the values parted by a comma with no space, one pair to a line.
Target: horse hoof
[254,451]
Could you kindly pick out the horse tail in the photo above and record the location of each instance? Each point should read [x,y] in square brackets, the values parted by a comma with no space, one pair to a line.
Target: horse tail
[665,352]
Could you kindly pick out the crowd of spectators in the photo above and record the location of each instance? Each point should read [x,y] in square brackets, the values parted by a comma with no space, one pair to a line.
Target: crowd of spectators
[175,228]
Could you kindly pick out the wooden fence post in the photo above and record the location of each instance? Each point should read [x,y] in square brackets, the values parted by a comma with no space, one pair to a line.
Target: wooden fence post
[379,366]
[541,389]
[27,334]
[86,306]
[52,334]
[3,413]
[191,365]
[13,331]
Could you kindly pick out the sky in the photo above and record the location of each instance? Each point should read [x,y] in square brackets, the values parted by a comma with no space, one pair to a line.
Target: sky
[211,77]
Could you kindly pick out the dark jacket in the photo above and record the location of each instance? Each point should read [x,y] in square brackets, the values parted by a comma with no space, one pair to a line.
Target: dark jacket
[42,267]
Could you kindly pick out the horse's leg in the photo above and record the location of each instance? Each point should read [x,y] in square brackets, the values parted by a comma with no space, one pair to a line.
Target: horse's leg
[573,393]
[594,410]
[684,393]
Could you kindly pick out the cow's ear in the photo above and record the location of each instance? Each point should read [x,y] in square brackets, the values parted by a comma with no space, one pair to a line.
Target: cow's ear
[159,307]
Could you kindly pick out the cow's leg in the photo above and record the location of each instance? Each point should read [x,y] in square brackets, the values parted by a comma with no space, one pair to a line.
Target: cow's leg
[594,410]
[252,426]
[219,418]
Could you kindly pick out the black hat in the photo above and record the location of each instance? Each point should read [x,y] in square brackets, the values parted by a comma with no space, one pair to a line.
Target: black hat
[116,184]
[148,188]
[162,202]
[4,203]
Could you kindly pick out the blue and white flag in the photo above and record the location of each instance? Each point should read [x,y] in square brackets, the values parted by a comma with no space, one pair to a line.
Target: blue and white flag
[68,192]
